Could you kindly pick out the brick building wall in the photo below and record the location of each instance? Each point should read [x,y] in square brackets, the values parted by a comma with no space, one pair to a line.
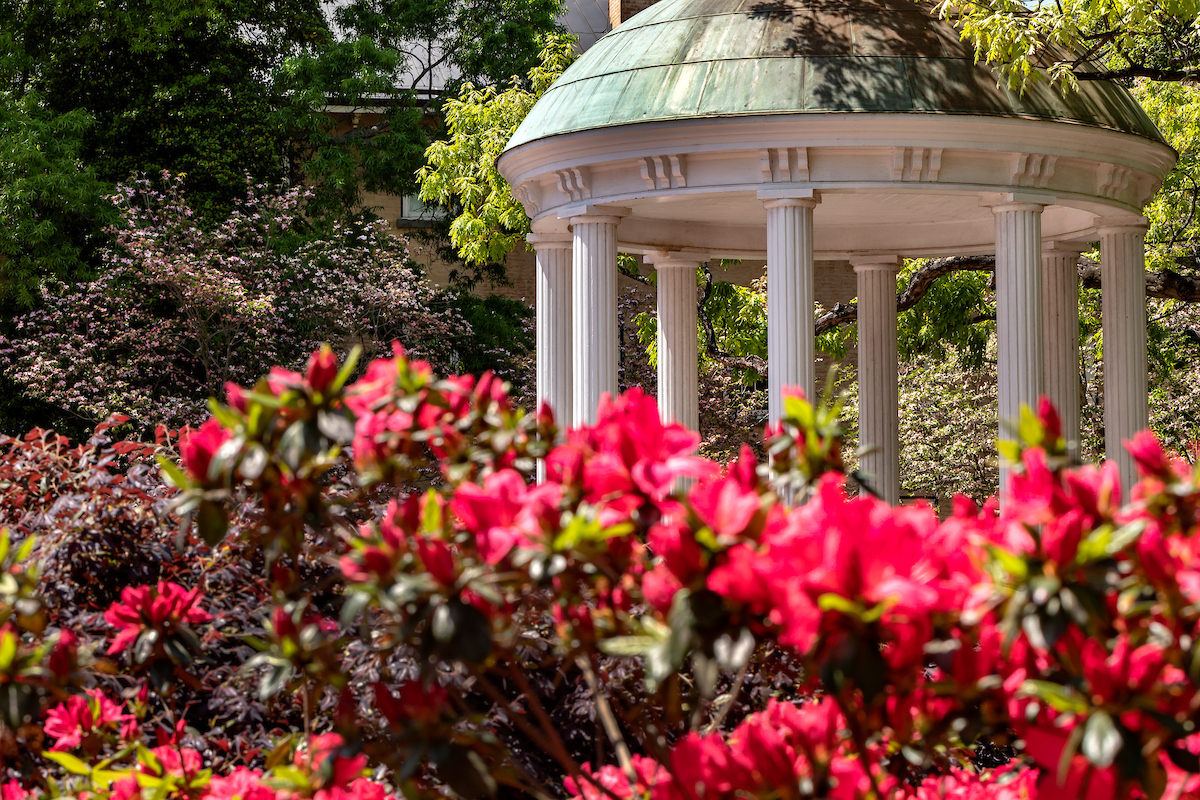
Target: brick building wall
[621,10]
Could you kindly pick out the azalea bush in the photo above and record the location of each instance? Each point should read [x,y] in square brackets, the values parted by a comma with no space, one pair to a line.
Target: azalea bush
[356,591]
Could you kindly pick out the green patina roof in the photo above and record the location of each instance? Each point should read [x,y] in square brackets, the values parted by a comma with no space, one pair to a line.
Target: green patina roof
[681,59]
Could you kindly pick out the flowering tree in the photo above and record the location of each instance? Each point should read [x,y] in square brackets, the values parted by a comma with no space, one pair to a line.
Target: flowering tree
[181,307]
[721,641]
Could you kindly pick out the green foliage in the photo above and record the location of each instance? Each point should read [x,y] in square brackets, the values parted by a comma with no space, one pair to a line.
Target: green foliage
[1034,40]
[948,316]
[461,172]
[501,334]
[50,205]
[93,92]
[1174,236]
[739,318]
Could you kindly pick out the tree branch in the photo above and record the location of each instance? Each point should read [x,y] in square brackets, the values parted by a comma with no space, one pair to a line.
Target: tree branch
[1152,73]
[362,133]
[1164,285]
[918,285]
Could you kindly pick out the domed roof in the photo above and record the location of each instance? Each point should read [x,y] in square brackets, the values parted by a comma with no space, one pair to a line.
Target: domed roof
[682,59]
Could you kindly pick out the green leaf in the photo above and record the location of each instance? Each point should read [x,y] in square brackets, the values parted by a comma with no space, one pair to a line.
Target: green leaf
[8,650]
[431,521]
[1013,564]
[1062,698]
[335,425]
[177,651]
[174,475]
[72,764]
[212,522]
[628,645]
[253,462]
[347,369]
[831,601]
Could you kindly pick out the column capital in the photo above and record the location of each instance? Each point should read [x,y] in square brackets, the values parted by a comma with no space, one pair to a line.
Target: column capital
[674,258]
[888,263]
[1057,248]
[1001,208]
[778,198]
[1003,201]
[594,210]
[548,241]
[1106,225]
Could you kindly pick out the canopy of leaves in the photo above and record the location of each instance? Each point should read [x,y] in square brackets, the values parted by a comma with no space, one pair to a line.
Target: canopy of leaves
[51,206]
[1073,40]
[93,92]
[461,171]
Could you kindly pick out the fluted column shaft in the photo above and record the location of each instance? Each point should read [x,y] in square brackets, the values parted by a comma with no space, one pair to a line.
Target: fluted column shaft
[1123,300]
[593,314]
[553,329]
[1018,311]
[791,343]
[878,382]
[678,383]
[1060,329]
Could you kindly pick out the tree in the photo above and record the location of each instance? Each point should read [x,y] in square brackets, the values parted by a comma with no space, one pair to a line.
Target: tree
[1080,40]
[218,90]
[181,308]
[461,173]
[52,207]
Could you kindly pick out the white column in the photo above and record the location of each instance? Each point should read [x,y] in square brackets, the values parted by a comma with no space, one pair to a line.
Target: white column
[791,343]
[878,383]
[678,360]
[593,313]
[1060,331]
[553,328]
[1123,300]
[1018,311]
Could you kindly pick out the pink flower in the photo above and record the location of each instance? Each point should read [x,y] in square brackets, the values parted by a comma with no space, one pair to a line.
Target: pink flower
[240,784]
[173,760]
[322,369]
[13,790]
[163,608]
[79,717]
[659,586]
[325,750]
[647,772]
[1050,421]
[235,397]
[198,447]
[502,514]
[1152,461]
[726,505]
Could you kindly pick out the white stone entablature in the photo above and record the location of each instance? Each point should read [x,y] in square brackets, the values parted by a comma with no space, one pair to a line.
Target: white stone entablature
[912,185]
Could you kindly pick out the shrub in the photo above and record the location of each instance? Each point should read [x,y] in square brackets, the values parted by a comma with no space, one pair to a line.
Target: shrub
[645,623]
[181,307]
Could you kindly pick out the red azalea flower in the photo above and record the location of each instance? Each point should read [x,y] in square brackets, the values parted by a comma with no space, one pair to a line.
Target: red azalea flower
[198,447]
[78,717]
[173,760]
[161,607]
[13,790]
[240,784]
[494,513]
[235,397]
[322,369]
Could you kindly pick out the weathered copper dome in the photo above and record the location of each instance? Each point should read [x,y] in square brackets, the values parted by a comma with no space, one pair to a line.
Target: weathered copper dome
[683,59]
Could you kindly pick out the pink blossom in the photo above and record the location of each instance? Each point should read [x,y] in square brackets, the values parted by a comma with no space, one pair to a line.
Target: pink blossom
[162,607]
[79,717]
